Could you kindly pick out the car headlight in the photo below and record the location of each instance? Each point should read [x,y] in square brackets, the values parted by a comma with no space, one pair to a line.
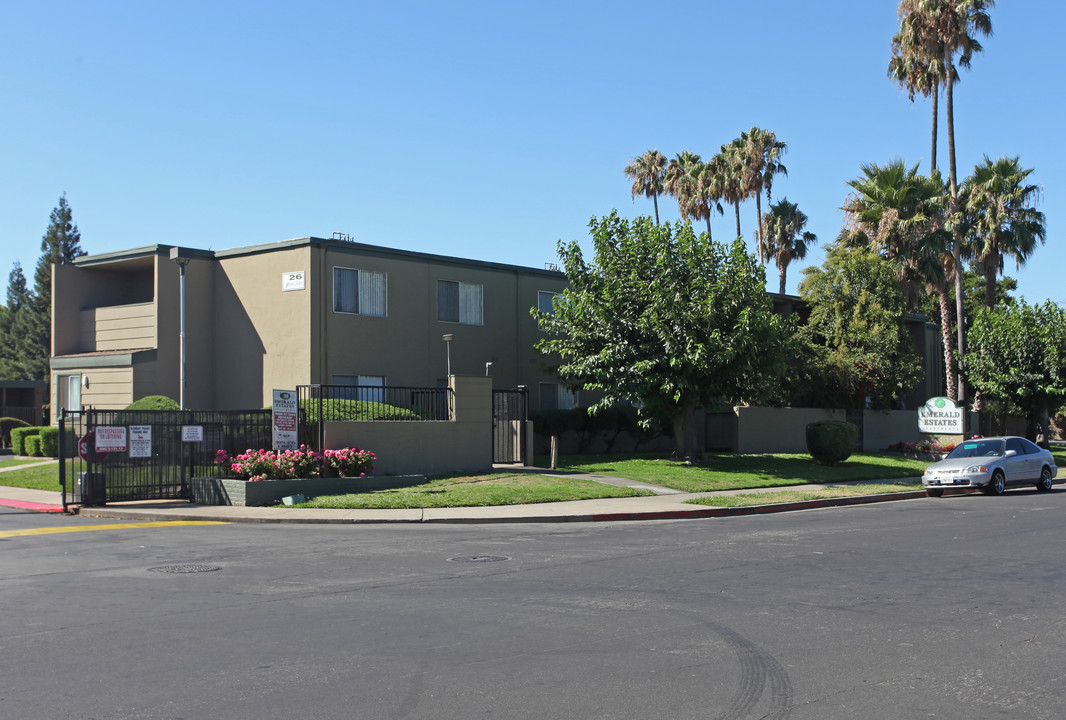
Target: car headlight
[976,469]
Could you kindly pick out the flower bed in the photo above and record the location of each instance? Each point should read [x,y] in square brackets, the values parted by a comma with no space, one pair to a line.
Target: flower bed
[924,450]
[259,465]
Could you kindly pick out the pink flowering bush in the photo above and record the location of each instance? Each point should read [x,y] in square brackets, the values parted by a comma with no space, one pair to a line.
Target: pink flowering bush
[253,465]
[925,446]
[350,462]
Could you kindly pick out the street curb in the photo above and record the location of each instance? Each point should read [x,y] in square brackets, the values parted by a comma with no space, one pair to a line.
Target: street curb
[36,507]
[679,514]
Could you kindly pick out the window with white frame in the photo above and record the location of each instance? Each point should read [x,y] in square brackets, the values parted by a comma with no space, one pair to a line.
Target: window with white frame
[461,302]
[359,292]
[544,301]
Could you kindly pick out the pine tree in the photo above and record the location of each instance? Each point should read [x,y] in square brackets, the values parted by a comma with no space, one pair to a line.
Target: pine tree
[60,245]
[13,325]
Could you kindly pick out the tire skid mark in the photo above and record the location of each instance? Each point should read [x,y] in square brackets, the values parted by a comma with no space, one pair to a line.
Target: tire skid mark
[758,668]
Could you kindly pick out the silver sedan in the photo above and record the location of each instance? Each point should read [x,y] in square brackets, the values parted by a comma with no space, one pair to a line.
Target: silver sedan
[992,464]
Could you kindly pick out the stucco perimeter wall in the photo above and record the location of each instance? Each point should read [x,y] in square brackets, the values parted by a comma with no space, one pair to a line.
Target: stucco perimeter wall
[777,430]
[425,448]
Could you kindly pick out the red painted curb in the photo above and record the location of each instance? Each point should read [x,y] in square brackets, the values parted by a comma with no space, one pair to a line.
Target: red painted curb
[36,507]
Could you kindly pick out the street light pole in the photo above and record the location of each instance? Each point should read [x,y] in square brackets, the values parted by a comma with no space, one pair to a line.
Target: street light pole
[181,257]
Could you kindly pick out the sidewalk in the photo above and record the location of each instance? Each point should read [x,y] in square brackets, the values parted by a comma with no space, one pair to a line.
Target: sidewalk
[666,504]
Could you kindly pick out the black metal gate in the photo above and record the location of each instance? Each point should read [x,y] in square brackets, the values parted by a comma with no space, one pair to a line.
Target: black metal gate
[117,455]
[510,413]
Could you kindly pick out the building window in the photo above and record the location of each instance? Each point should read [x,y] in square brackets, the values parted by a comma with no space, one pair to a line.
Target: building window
[554,396]
[360,387]
[544,301]
[359,292]
[461,302]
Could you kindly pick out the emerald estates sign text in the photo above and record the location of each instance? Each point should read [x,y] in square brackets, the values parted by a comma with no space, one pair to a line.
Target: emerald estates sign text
[940,415]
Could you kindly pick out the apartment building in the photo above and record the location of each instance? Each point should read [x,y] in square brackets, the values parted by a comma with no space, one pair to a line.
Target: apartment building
[290,313]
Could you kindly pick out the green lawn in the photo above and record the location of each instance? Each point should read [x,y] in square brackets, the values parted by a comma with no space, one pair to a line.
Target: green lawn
[11,462]
[42,477]
[725,471]
[800,495]
[477,491]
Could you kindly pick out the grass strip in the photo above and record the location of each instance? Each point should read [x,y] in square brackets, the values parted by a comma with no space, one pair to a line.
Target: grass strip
[725,471]
[15,463]
[476,491]
[41,477]
[801,495]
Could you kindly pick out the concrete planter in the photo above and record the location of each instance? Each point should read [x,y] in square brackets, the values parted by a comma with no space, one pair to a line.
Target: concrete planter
[229,491]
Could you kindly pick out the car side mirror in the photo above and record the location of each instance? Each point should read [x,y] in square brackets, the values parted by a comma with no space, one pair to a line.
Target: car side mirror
[1010,453]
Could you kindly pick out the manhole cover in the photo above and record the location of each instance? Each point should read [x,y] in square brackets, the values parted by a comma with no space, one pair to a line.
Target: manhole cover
[184,569]
[479,559]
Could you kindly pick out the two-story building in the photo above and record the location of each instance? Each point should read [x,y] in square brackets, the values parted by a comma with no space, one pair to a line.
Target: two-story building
[290,313]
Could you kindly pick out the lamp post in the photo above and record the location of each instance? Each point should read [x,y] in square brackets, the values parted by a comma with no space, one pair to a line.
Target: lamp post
[447,338]
[182,257]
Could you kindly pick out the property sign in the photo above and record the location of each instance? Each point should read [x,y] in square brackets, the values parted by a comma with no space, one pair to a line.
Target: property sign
[140,441]
[110,439]
[285,420]
[292,281]
[192,433]
[940,415]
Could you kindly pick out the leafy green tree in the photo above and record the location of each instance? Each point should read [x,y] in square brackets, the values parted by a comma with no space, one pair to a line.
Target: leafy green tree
[666,321]
[1000,220]
[647,173]
[786,236]
[1018,354]
[856,328]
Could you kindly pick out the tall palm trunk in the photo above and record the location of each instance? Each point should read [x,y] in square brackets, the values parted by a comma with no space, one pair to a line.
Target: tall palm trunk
[781,273]
[758,227]
[736,207]
[936,111]
[709,223]
[990,287]
[655,202]
[950,378]
[953,203]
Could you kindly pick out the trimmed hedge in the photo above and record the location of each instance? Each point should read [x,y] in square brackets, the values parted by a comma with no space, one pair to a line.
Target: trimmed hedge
[831,441]
[49,441]
[6,426]
[18,438]
[32,445]
[154,402]
[607,425]
[348,410]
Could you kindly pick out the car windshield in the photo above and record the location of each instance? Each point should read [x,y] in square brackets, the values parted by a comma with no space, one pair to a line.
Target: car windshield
[978,448]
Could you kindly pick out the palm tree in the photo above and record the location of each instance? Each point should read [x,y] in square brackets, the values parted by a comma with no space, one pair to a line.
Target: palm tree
[729,167]
[680,181]
[999,218]
[647,173]
[786,239]
[709,192]
[917,65]
[949,27]
[902,215]
[761,151]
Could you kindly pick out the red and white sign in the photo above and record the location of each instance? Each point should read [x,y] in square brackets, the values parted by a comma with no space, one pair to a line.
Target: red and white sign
[285,419]
[110,439]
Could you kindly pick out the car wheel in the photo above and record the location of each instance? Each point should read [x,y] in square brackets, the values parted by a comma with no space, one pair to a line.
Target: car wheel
[1045,480]
[934,492]
[997,484]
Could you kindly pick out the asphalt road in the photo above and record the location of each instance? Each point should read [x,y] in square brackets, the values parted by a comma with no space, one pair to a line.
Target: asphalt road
[944,608]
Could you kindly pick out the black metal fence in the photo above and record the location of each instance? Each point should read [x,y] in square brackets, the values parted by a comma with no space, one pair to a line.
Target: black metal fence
[117,455]
[327,403]
[510,413]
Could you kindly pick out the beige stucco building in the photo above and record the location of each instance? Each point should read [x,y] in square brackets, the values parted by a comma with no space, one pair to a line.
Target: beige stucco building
[290,313]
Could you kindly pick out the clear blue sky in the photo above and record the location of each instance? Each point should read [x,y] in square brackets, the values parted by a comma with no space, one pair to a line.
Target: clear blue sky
[484,130]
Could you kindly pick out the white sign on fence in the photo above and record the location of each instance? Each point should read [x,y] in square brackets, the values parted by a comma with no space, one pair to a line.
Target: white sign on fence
[940,415]
[111,439]
[285,419]
[192,433]
[140,441]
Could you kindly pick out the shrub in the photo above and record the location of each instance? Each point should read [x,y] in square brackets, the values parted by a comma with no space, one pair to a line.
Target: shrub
[253,465]
[18,438]
[49,441]
[831,441]
[351,462]
[154,402]
[348,410]
[32,445]
[6,425]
